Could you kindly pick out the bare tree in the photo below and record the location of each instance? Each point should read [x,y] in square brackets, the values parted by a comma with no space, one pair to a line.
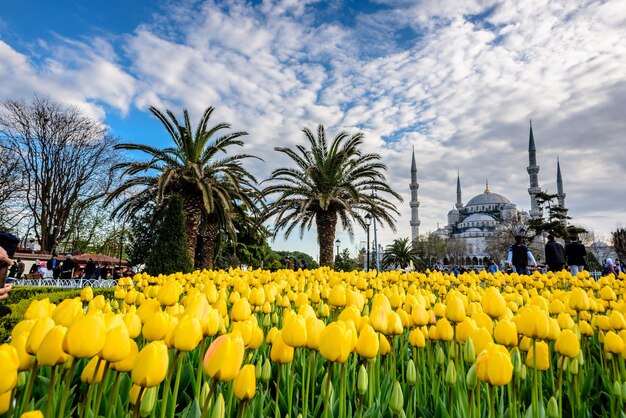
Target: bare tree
[456,249]
[64,157]
[10,189]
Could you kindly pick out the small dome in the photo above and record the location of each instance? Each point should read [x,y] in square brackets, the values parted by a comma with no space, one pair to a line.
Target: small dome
[488,199]
[453,212]
[510,206]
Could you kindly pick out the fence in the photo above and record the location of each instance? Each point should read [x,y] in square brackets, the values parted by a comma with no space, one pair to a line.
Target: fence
[67,283]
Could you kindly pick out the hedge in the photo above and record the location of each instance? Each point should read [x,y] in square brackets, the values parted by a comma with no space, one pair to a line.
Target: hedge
[21,297]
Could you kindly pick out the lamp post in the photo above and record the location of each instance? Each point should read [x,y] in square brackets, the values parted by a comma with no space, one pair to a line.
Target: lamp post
[337,244]
[368,222]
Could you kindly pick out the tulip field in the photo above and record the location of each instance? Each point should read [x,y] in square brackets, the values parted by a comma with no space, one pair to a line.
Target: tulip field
[320,343]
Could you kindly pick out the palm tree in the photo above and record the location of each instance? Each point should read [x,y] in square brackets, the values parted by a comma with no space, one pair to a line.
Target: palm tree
[332,182]
[212,187]
[400,253]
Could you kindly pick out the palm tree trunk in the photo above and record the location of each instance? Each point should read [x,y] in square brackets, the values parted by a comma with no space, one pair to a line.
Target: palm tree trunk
[193,212]
[207,245]
[326,222]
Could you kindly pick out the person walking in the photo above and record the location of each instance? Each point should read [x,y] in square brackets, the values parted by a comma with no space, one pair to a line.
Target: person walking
[609,268]
[520,256]
[90,269]
[20,268]
[576,255]
[67,269]
[555,255]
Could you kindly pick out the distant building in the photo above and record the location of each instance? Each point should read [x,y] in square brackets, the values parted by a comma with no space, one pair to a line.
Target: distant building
[487,213]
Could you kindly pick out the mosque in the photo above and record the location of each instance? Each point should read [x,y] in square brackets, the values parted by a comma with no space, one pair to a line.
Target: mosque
[487,213]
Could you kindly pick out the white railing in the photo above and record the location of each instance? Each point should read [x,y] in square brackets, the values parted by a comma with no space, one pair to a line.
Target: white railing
[68,283]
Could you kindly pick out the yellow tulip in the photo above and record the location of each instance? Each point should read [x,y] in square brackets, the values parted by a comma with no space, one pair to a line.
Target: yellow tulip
[419,315]
[379,318]
[5,400]
[37,333]
[188,333]
[337,296]
[280,352]
[86,336]
[465,329]
[534,323]
[335,342]
[567,344]
[127,363]
[241,310]
[32,414]
[67,311]
[416,338]
[481,338]
[89,374]
[543,356]
[314,328]
[86,295]
[169,293]
[224,357]
[9,364]
[244,385]
[505,333]
[25,360]
[150,365]
[294,331]
[444,331]
[117,344]
[616,321]
[22,327]
[493,303]
[384,347]
[39,309]
[156,326]
[455,311]
[51,351]
[613,343]
[565,321]
[579,300]
[147,309]
[367,344]
[133,324]
[500,368]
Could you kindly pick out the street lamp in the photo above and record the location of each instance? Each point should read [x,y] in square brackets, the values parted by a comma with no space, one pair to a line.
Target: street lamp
[368,222]
[337,244]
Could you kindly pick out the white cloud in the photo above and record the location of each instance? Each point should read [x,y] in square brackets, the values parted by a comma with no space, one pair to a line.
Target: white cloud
[462,90]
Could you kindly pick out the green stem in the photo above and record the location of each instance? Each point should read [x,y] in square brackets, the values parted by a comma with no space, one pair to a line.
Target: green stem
[200,367]
[29,386]
[50,401]
[370,386]
[105,374]
[535,396]
[207,401]
[138,402]
[166,387]
[66,389]
[276,408]
[179,368]
[113,395]
[327,393]
[342,392]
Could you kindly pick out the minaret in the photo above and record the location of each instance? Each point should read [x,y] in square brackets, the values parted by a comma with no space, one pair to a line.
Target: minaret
[459,202]
[559,184]
[415,204]
[533,170]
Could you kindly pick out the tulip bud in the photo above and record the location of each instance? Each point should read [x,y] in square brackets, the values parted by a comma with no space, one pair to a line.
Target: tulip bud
[553,408]
[258,369]
[617,390]
[411,373]
[609,356]
[266,372]
[266,321]
[566,362]
[472,378]
[623,390]
[581,358]
[21,380]
[204,393]
[451,374]
[397,399]
[148,401]
[362,380]
[522,375]
[440,356]
[573,366]
[469,353]
[219,409]
[274,318]
[327,388]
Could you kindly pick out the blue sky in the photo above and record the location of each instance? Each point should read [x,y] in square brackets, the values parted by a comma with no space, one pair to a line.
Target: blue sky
[457,80]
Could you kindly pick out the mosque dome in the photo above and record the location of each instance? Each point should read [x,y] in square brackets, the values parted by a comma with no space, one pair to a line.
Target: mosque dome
[488,199]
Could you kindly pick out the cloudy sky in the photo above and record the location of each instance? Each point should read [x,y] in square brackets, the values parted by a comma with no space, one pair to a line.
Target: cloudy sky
[458,80]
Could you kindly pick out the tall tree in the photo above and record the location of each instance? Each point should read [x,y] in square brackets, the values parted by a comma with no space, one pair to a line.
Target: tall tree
[556,220]
[169,253]
[619,242]
[64,157]
[331,182]
[400,253]
[10,189]
[430,249]
[211,186]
